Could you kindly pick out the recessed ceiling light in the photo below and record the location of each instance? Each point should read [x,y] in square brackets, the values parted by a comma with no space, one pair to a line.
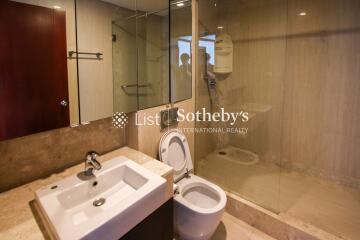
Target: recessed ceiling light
[220,27]
[302,14]
[180,4]
[57,7]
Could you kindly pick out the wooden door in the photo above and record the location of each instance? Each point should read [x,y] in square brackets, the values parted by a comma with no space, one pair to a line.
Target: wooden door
[33,69]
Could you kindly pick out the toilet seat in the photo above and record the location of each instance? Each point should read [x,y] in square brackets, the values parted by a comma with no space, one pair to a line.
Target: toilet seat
[198,203]
[174,151]
[200,195]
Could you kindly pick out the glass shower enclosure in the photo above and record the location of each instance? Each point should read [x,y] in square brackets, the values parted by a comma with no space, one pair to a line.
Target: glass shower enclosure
[295,71]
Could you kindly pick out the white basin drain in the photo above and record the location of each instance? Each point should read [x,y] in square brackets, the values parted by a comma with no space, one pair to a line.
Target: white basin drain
[99,202]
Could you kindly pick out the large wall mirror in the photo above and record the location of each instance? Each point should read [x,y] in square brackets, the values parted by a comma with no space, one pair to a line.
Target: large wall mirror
[145,55]
[66,62]
[180,47]
[123,56]
[107,57]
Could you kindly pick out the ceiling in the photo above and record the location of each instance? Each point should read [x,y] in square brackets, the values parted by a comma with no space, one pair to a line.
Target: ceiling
[141,5]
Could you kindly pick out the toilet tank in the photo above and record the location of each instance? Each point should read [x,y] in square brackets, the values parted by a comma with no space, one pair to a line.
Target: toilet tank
[223,54]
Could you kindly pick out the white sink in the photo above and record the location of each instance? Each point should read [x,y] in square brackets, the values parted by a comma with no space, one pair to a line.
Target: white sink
[131,193]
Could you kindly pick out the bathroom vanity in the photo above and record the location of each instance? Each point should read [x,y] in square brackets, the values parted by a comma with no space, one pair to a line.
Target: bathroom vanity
[157,226]
[23,219]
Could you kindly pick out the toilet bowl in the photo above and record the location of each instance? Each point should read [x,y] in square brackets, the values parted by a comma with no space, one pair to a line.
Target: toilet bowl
[198,203]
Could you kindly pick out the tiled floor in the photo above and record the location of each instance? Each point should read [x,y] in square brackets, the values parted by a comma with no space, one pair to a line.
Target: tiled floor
[231,228]
[324,204]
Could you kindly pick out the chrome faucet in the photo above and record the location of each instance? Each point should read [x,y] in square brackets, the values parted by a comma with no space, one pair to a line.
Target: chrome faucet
[91,163]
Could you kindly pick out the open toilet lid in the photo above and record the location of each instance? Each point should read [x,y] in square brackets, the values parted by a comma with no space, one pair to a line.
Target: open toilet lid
[174,151]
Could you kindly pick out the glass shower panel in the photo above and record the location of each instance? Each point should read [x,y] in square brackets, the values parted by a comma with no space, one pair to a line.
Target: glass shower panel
[245,162]
[296,71]
[320,175]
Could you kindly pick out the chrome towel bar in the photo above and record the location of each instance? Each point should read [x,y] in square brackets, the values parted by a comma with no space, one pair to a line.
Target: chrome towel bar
[135,85]
[98,56]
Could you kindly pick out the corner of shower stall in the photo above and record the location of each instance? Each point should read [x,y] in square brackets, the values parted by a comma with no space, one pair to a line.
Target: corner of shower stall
[241,156]
[295,71]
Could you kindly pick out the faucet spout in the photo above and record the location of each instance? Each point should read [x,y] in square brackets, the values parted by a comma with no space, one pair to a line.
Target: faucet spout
[91,163]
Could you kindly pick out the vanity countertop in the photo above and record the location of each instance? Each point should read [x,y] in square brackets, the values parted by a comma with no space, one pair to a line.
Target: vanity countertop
[19,220]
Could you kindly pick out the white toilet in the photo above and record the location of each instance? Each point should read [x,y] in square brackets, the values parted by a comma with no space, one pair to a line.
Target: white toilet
[198,204]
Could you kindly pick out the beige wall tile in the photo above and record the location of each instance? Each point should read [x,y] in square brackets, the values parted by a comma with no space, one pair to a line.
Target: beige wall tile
[39,155]
[147,137]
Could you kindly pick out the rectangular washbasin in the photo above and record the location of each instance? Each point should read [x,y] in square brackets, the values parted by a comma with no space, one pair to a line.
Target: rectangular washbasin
[106,206]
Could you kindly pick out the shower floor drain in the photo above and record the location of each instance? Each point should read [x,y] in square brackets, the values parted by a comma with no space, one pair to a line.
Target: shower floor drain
[236,155]
[99,202]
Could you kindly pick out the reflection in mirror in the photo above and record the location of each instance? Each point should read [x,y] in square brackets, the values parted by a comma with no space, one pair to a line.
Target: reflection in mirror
[180,50]
[38,86]
[106,57]
[124,63]
[153,52]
